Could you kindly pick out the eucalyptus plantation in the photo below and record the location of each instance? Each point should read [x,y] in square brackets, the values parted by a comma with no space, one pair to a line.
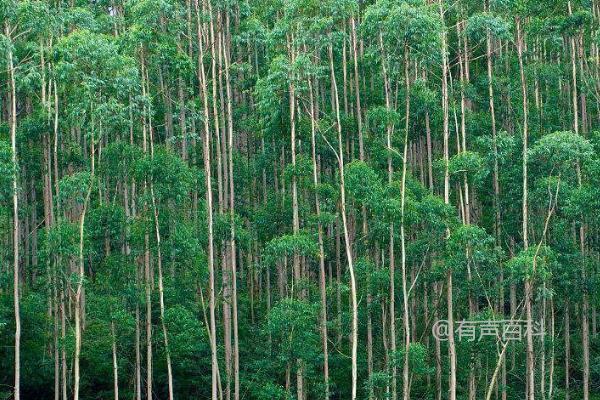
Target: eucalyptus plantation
[299,199]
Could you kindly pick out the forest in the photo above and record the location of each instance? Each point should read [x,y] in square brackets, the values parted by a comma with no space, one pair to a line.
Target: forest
[300,199]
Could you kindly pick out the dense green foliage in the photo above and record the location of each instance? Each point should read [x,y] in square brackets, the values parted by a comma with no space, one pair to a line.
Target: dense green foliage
[210,194]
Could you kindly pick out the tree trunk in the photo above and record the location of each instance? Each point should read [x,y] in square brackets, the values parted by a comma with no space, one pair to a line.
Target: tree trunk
[567,330]
[392,260]
[295,213]
[148,276]
[114,361]
[449,289]
[405,368]
[81,276]
[236,351]
[322,283]
[15,198]
[528,285]
[209,197]
[63,352]
[348,245]
[161,293]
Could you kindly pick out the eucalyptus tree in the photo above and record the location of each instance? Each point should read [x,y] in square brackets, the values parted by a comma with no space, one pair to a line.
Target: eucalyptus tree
[202,78]
[575,25]
[520,42]
[8,33]
[562,155]
[446,157]
[92,75]
[419,30]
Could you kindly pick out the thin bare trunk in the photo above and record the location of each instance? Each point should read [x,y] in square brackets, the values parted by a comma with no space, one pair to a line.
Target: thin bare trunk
[114,361]
[405,368]
[15,198]
[236,351]
[528,284]
[322,284]
[209,198]
[567,330]
[449,288]
[348,245]
[78,293]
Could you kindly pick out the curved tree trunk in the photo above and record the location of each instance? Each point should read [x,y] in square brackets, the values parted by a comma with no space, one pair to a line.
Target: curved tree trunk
[348,245]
